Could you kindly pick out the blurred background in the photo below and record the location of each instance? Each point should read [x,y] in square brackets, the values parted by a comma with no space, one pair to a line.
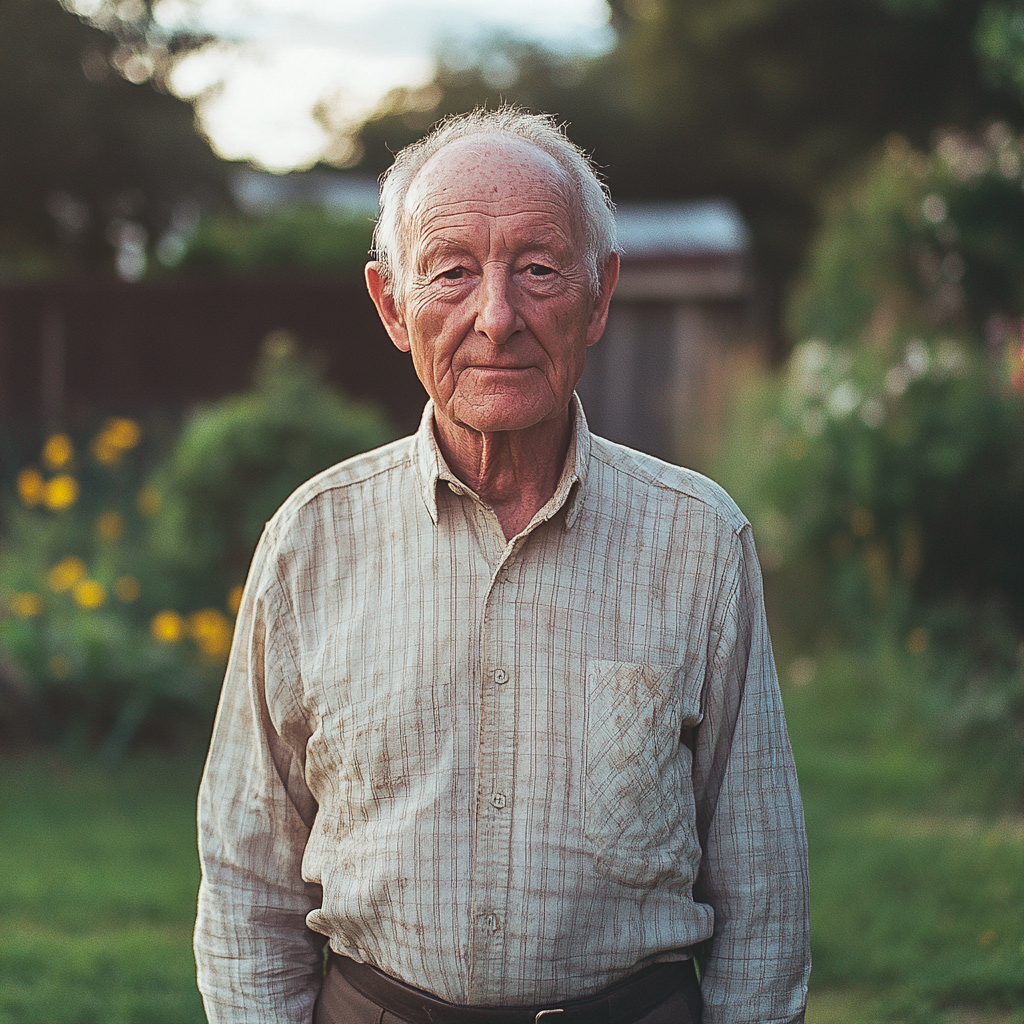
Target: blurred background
[821,211]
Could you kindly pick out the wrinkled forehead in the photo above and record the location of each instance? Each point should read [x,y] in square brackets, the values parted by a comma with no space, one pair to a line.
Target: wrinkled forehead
[483,170]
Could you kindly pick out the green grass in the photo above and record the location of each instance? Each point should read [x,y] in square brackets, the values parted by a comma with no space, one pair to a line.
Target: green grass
[917,897]
[98,880]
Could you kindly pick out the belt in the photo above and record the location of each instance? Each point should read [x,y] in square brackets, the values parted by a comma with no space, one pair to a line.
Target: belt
[623,1003]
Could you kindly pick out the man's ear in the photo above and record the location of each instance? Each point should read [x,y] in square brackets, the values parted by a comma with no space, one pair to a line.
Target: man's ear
[599,314]
[383,297]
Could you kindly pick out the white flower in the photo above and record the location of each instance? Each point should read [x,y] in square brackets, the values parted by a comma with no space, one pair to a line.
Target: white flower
[807,365]
[844,399]
[917,357]
[933,207]
[810,356]
[950,356]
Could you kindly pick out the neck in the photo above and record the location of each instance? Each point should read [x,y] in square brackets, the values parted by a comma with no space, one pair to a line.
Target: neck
[516,472]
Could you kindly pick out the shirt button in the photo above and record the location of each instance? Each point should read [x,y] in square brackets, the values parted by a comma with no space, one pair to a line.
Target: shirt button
[489,922]
[500,676]
[498,800]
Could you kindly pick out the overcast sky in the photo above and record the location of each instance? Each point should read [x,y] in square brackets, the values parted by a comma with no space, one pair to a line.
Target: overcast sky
[278,57]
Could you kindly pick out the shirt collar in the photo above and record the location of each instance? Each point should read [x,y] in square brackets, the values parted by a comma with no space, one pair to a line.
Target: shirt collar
[432,470]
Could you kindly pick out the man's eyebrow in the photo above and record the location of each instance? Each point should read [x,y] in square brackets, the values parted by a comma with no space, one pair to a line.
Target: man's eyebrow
[439,245]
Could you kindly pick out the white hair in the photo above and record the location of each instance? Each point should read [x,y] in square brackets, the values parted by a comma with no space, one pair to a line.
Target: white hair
[594,214]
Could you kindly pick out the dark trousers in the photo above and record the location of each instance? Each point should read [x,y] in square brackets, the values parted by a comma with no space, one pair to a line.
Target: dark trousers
[341,1003]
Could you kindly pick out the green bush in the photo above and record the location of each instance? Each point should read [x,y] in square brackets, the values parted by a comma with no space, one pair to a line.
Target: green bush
[891,473]
[883,465]
[118,585]
[85,655]
[305,237]
[931,243]
[236,461]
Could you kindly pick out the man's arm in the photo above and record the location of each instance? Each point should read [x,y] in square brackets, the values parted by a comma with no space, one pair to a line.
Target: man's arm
[256,959]
[750,820]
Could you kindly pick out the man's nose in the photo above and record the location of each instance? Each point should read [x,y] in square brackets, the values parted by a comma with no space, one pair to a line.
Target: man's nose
[497,317]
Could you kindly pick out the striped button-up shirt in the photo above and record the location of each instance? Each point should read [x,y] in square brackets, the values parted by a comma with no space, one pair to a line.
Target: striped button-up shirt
[507,772]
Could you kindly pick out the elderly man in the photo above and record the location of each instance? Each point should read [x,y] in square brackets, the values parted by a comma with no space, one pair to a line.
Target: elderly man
[501,723]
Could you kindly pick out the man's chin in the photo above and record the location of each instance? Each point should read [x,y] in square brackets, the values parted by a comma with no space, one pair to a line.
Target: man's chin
[499,413]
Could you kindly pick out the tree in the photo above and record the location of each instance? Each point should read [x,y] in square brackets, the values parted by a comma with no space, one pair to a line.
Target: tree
[97,153]
[771,102]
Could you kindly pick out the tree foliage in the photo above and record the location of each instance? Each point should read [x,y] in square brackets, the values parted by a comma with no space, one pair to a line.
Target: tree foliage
[96,152]
[307,237]
[771,102]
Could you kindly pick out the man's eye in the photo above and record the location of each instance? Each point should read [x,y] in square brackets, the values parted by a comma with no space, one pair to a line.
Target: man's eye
[454,274]
[539,270]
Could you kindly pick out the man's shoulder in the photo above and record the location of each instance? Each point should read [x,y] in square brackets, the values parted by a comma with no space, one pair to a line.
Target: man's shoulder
[669,484]
[343,479]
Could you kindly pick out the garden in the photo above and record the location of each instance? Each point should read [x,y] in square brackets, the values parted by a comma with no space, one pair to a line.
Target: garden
[881,466]
[880,461]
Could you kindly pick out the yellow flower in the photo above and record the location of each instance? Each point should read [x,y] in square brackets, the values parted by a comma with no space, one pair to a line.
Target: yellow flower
[123,433]
[211,631]
[116,437]
[105,452]
[26,604]
[89,594]
[148,501]
[66,573]
[61,492]
[58,451]
[235,600]
[168,627]
[31,486]
[110,525]
[127,589]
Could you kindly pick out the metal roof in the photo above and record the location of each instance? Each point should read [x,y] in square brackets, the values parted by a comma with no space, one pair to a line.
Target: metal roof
[662,230]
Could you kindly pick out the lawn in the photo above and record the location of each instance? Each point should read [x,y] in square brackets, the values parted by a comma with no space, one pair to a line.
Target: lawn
[918,903]
[99,878]
[917,898]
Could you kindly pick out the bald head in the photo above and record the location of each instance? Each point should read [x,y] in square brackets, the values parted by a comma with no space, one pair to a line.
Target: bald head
[487,168]
[531,141]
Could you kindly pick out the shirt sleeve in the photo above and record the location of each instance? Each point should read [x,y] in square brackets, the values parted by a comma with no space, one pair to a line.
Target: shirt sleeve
[256,959]
[750,820]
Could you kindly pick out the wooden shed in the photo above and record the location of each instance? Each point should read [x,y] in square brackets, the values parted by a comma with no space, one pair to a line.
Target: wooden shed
[683,319]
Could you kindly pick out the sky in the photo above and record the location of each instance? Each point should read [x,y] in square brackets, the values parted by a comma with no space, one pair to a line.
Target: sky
[274,59]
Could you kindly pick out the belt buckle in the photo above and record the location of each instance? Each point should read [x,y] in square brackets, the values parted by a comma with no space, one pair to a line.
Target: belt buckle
[545,1013]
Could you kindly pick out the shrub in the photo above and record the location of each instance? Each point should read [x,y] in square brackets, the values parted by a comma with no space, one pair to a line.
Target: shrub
[305,237]
[118,587]
[883,466]
[237,461]
[80,659]
[886,460]
[891,473]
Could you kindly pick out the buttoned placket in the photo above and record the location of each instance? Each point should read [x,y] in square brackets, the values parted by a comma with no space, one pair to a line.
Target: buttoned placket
[495,773]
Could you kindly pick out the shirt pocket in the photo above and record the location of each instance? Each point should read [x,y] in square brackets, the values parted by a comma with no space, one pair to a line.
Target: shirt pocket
[639,808]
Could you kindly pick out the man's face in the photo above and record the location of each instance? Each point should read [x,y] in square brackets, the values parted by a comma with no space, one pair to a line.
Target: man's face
[498,312]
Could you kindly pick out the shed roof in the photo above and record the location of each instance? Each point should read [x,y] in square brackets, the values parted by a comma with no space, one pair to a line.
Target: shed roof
[663,230]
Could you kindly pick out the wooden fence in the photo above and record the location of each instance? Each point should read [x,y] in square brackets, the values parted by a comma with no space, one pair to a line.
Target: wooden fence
[74,349]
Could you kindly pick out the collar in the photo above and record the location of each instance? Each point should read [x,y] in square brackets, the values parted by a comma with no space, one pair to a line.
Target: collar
[432,470]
